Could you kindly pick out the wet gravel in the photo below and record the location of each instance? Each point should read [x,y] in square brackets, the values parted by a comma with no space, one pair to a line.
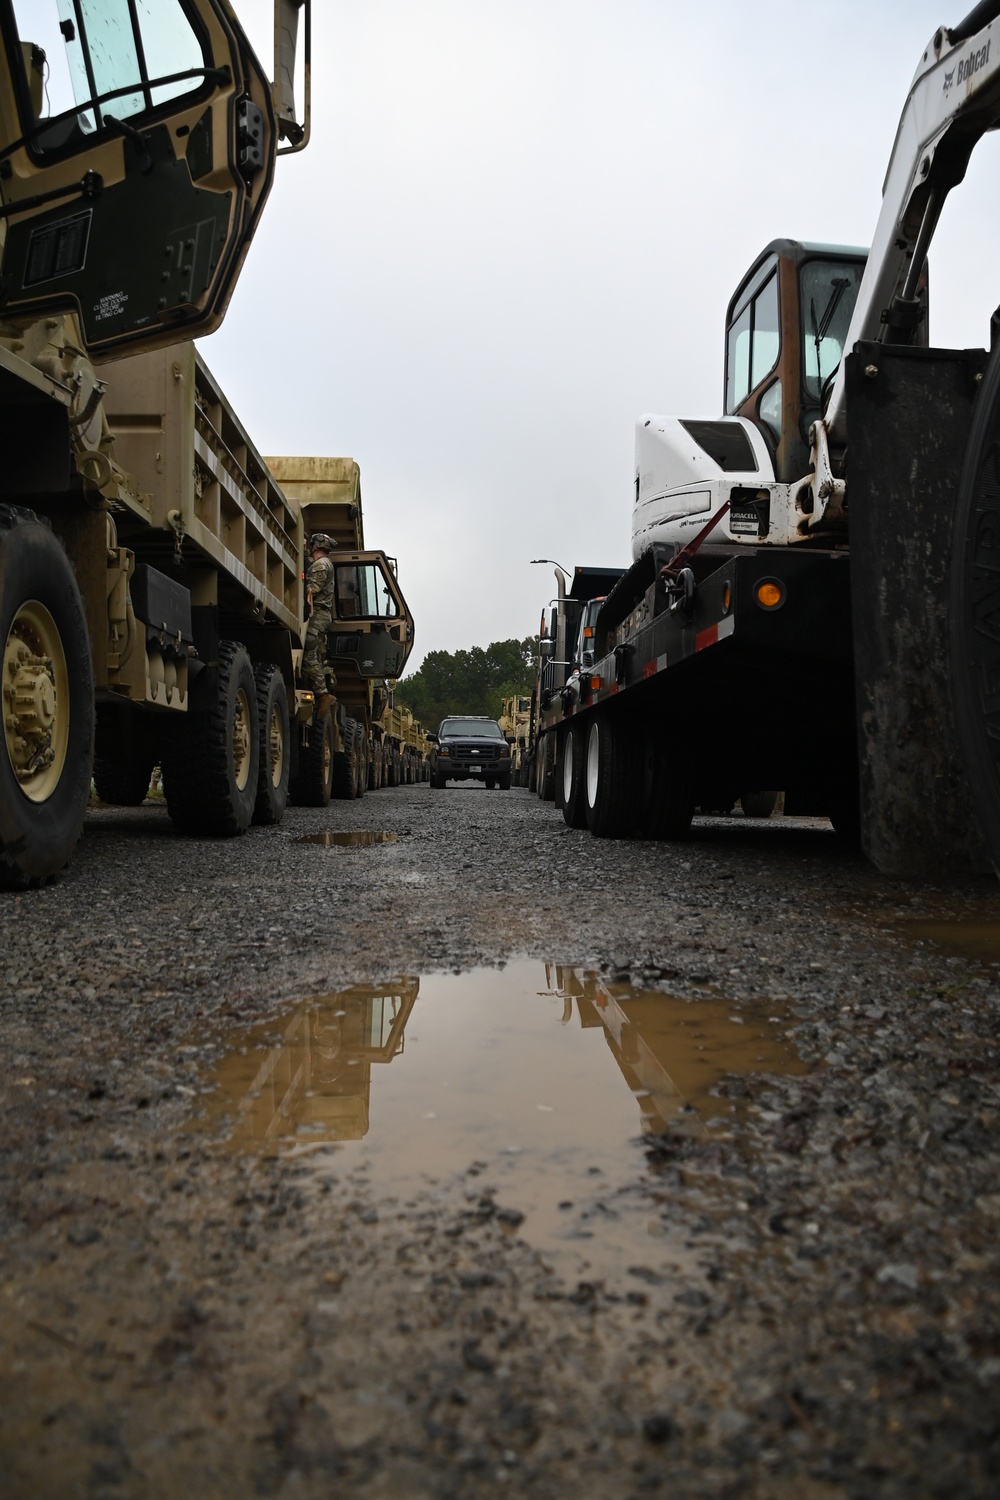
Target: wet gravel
[176,1319]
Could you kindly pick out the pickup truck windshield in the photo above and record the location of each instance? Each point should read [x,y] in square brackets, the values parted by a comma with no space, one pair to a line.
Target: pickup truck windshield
[483,728]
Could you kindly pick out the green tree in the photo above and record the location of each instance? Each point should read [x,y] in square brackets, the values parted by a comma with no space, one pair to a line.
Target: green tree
[475,681]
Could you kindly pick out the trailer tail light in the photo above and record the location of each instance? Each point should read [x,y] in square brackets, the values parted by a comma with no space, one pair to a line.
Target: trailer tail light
[769,593]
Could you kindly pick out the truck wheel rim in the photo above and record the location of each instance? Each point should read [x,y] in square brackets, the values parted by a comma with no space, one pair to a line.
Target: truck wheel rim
[567,786]
[241,740]
[35,701]
[593,764]
[276,745]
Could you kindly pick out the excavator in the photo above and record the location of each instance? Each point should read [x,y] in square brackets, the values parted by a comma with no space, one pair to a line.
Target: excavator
[814,601]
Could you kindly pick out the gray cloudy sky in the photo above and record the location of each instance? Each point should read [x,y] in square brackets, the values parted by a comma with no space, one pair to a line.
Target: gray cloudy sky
[517,227]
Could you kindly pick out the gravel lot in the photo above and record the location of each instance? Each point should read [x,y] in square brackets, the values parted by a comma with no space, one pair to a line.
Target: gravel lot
[812,1304]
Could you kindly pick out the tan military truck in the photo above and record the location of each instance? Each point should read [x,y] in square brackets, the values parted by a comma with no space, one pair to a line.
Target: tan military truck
[515,721]
[372,633]
[137,149]
[405,746]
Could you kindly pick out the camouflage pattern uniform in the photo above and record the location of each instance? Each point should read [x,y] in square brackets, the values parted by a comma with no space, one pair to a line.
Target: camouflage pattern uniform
[319,585]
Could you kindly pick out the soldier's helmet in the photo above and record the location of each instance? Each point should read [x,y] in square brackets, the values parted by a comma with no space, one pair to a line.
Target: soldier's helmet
[319,541]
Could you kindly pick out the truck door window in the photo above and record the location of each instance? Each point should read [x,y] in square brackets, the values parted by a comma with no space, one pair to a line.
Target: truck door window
[363,593]
[828,290]
[753,338]
[104,57]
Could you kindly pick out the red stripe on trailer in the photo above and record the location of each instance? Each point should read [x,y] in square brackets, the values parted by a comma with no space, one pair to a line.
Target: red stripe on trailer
[650,668]
[706,637]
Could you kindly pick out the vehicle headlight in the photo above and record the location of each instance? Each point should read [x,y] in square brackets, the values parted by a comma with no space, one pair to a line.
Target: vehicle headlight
[443,750]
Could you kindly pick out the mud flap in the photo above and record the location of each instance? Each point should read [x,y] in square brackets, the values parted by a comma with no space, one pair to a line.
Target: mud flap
[909,413]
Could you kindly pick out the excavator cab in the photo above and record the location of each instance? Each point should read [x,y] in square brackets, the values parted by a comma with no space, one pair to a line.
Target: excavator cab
[137,146]
[785,331]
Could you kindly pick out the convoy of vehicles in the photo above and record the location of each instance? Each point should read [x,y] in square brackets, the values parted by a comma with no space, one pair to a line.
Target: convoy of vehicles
[151,606]
[470,748]
[792,620]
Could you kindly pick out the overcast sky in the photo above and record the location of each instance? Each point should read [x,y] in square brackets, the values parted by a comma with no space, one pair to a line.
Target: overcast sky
[518,225]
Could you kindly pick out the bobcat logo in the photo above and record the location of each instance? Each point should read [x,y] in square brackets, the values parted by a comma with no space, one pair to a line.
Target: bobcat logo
[949,79]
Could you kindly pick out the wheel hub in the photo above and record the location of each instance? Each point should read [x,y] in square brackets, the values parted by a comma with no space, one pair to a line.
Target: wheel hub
[35,701]
[241,741]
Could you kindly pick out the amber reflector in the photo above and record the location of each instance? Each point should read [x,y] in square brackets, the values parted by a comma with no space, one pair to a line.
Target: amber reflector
[770,595]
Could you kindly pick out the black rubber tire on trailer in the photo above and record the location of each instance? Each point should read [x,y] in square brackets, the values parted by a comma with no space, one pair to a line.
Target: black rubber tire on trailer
[275,745]
[122,780]
[313,785]
[345,766]
[974,631]
[545,772]
[611,778]
[42,619]
[211,760]
[668,791]
[572,773]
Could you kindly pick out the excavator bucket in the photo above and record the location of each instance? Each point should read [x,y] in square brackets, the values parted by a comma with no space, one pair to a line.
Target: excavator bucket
[137,146]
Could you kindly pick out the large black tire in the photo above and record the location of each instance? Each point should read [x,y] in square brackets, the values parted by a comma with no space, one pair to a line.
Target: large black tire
[974,616]
[212,757]
[361,748]
[121,779]
[438,780]
[345,765]
[668,790]
[571,774]
[313,785]
[46,655]
[275,747]
[545,768]
[375,766]
[611,778]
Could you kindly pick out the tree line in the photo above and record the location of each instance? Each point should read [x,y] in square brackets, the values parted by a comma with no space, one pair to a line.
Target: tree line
[469,682]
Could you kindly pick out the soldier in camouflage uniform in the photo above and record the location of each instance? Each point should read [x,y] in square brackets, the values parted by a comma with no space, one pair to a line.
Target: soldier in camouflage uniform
[319,596]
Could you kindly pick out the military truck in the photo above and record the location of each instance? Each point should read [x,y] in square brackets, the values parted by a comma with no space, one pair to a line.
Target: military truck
[515,721]
[373,629]
[132,178]
[405,747]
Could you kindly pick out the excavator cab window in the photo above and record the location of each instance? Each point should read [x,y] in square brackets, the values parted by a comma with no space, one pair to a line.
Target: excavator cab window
[91,56]
[753,339]
[828,290]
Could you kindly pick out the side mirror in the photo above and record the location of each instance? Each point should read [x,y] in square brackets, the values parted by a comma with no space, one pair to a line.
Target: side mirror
[509,738]
[432,739]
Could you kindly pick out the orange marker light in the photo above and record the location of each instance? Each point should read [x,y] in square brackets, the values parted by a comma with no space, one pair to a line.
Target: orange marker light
[769,593]
[727,598]
[595,684]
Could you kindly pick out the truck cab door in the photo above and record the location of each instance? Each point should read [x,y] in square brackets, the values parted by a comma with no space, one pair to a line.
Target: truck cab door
[137,146]
[372,629]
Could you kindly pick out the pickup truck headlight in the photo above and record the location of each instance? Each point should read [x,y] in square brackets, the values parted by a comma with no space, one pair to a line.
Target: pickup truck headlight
[443,750]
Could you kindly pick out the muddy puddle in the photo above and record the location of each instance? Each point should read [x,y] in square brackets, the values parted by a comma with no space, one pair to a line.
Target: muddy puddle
[976,938]
[347,839]
[533,1085]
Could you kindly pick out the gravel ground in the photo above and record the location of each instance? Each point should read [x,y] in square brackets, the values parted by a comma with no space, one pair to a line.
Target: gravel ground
[183,1319]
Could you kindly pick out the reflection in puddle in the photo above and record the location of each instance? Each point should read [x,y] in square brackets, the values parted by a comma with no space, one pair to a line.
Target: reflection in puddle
[975,939]
[312,1075]
[348,839]
[537,1080]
